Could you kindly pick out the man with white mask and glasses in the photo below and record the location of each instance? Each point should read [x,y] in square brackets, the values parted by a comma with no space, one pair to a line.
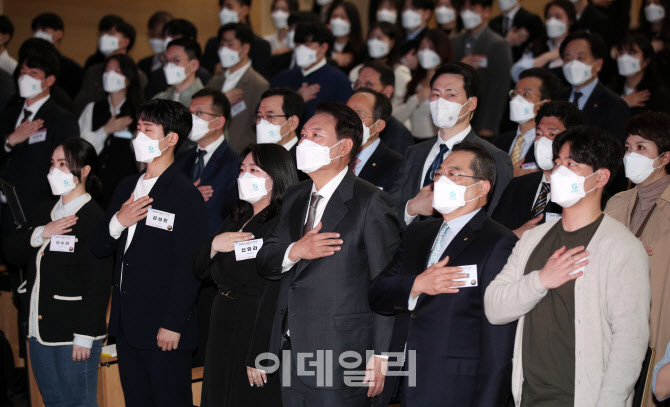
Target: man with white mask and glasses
[578,287]
[453,102]
[182,60]
[278,119]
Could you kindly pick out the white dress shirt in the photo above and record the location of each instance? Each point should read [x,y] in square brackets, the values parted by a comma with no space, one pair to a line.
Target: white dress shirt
[586,92]
[526,144]
[7,63]
[232,78]
[289,145]
[211,148]
[315,68]
[34,108]
[98,137]
[455,226]
[431,157]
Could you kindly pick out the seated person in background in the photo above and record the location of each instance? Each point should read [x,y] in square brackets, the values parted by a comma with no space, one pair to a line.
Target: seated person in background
[109,124]
[536,87]
[415,17]
[590,18]
[554,285]
[374,162]
[526,201]
[7,63]
[105,24]
[182,58]
[286,59]
[381,78]
[517,25]
[445,16]
[50,27]
[241,84]
[278,118]
[345,25]
[280,11]
[312,77]
[654,23]
[155,28]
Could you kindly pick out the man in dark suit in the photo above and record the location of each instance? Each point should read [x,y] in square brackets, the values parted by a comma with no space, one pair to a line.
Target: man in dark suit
[457,83]
[415,16]
[517,25]
[154,224]
[526,202]
[155,27]
[281,107]
[374,162]
[31,129]
[333,237]
[381,78]
[439,276]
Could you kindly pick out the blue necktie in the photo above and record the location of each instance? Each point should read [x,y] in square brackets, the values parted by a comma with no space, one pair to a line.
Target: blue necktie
[435,165]
[199,166]
[438,245]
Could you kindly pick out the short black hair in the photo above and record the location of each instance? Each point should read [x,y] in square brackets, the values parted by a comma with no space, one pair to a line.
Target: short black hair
[180,27]
[567,7]
[220,103]
[568,113]
[652,126]
[292,103]
[382,108]
[293,5]
[47,20]
[39,54]
[191,47]
[348,124]
[423,4]
[591,146]
[469,74]
[483,166]
[483,3]
[242,32]
[159,17]
[172,116]
[318,32]
[6,26]
[241,2]
[597,45]
[108,21]
[551,86]
[386,74]
[298,17]
[127,31]
[78,154]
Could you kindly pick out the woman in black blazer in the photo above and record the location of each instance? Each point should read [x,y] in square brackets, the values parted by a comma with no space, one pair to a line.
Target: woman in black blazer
[243,310]
[67,286]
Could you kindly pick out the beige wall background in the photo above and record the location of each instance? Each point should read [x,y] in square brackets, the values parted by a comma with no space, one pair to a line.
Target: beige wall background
[81,19]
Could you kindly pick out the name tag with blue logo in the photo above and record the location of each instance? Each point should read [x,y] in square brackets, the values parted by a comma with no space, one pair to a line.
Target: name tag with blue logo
[160,219]
[62,243]
[248,249]
[38,137]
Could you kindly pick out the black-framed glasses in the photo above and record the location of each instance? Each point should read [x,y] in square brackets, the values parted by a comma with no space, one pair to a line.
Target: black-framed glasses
[453,174]
[200,113]
[525,94]
[268,117]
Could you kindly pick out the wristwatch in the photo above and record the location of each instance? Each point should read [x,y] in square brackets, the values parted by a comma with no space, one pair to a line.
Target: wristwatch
[8,147]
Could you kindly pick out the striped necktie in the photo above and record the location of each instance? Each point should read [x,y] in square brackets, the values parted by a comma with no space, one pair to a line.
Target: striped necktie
[541,203]
[438,245]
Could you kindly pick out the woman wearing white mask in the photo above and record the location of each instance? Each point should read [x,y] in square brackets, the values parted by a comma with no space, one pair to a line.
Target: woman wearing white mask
[434,51]
[639,82]
[385,11]
[645,209]
[559,17]
[653,24]
[345,24]
[109,124]
[445,16]
[67,287]
[243,310]
[280,11]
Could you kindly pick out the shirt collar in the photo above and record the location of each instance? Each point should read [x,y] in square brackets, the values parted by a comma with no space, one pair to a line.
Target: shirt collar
[35,107]
[476,35]
[237,74]
[211,148]
[288,146]
[586,90]
[191,90]
[510,14]
[61,211]
[365,154]
[329,189]
[315,68]
[115,111]
[529,134]
[455,225]
[454,140]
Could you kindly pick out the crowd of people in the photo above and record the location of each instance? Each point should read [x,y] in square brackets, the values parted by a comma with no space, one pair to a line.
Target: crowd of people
[455,209]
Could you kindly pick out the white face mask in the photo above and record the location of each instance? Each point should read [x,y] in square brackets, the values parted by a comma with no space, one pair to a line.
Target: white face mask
[628,65]
[638,167]
[377,48]
[411,19]
[567,188]
[251,188]
[146,148]
[449,196]
[199,129]
[521,110]
[544,154]
[311,156]
[428,59]
[43,35]
[113,81]
[387,15]
[268,133]
[29,87]
[228,16]
[174,74]
[60,182]
[556,28]
[506,5]
[577,73]
[654,13]
[323,2]
[445,15]
[366,133]
[280,19]
[108,44]
[290,39]
[304,56]
[340,27]
[445,113]
[157,45]
[228,57]
[470,19]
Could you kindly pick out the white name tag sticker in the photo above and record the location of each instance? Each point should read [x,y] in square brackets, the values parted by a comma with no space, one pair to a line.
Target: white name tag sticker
[471,280]
[124,134]
[159,219]
[551,216]
[62,243]
[248,249]
[529,166]
[483,62]
[38,137]
[238,108]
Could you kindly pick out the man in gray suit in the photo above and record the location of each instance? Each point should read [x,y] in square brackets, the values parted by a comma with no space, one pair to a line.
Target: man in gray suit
[490,54]
[452,104]
[335,234]
[241,84]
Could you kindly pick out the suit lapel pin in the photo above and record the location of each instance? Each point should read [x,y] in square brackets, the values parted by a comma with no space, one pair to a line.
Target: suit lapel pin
[374,164]
[465,238]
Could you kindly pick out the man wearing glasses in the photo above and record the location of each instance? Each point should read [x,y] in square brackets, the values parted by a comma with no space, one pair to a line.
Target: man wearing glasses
[278,118]
[435,286]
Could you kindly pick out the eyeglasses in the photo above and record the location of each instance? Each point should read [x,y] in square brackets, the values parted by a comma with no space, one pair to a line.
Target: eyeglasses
[525,94]
[453,174]
[268,117]
[200,113]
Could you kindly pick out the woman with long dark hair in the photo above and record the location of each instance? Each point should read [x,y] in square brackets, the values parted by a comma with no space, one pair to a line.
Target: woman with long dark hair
[345,24]
[109,124]
[243,310]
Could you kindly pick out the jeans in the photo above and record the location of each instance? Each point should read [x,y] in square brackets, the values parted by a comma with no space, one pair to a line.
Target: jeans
[62,381]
